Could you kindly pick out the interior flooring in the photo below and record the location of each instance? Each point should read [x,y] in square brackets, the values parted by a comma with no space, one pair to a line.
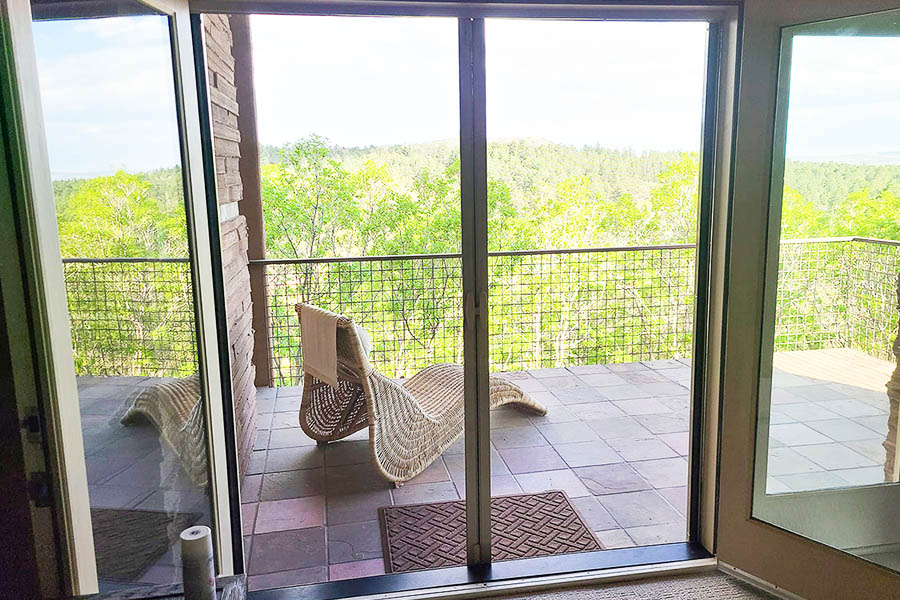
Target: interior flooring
[707,586]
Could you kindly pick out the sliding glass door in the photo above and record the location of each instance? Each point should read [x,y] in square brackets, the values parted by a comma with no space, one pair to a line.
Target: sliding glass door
[122,245]
[501,226]
[515,227]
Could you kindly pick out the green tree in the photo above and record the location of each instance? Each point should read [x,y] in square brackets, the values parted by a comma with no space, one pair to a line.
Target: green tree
[866,215]
[307,202]
[800,218]
[673,202]
[118,216]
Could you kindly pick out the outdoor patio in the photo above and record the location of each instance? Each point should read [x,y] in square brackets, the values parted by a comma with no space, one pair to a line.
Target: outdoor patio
[615,440]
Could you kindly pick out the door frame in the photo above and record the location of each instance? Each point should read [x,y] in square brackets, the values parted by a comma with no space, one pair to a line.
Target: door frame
[43,274]
[50,326]
[746,544]
[207,276]
[25,456]
[724,18]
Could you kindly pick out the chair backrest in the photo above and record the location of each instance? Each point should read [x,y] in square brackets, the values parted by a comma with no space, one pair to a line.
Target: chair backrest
[328,412]
[352,360]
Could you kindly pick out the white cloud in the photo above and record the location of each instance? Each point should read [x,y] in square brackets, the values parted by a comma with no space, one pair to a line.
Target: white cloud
[635,85]
[376,80]
[844,96]
[358,81]
[107,90]
[134,30]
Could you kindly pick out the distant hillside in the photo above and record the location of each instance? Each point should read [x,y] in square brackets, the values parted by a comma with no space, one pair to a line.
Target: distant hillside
[165,185]
[535,168]
[825,184]
[870,158]
[528,167]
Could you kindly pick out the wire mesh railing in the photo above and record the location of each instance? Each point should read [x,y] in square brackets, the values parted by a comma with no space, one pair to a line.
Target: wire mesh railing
[547,308]
[813,294]
[131,316]
[593,306]
[838,293]
[873,269]
[411,306]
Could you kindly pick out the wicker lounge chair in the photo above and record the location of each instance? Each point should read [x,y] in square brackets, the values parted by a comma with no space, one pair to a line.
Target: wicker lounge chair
[173,406]
[410,425]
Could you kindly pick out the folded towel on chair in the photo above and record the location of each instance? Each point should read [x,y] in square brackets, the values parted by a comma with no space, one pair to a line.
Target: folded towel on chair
[318,342]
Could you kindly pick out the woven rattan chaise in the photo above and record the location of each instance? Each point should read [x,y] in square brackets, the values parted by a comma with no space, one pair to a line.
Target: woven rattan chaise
[410,424]
[173,406]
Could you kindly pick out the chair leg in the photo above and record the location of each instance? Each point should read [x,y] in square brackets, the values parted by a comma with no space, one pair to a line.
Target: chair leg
[398,484]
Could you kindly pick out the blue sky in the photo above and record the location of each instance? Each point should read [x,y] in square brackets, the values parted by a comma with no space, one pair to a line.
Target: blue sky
[845,96]
[108,94]
[107,86]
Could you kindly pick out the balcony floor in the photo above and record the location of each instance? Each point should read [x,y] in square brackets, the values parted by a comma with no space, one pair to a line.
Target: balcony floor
[615,440]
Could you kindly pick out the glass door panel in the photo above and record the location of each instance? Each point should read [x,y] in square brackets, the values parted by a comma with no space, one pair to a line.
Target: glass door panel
[593,139]
[109,97]
[360,172]
[827,455]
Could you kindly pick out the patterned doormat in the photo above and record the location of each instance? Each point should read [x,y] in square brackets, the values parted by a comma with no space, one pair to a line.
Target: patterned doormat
[428,536]
[128,542]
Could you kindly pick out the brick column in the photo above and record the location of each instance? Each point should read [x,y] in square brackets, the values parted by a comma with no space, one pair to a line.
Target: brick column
[233,228]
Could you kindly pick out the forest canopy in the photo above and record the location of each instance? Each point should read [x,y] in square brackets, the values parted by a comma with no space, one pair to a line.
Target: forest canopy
[322,200]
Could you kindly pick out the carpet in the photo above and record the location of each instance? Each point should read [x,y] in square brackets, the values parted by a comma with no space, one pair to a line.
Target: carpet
[711,586]
[432,535]
[127,542]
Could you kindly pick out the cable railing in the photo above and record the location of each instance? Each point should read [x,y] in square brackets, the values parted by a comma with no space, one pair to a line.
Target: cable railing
[547,307]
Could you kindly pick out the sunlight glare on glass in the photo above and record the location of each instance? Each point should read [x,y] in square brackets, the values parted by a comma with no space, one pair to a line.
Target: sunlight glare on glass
[609,84]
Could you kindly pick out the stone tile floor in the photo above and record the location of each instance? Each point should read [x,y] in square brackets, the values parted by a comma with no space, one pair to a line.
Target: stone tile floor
[615,440]
[131,468]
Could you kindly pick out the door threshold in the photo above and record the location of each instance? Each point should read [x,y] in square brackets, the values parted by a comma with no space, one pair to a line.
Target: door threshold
[762,584]
[525,575]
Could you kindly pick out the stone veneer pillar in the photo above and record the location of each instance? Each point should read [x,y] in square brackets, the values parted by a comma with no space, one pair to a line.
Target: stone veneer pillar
[233,228]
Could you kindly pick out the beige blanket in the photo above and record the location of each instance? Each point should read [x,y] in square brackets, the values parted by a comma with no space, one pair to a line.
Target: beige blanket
[318,342]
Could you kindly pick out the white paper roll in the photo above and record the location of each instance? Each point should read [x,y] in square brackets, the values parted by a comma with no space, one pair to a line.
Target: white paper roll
[198,572]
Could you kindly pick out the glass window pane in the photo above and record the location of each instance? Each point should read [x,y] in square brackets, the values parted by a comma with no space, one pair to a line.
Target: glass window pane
[594,133]
[108,94]
[360,166]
